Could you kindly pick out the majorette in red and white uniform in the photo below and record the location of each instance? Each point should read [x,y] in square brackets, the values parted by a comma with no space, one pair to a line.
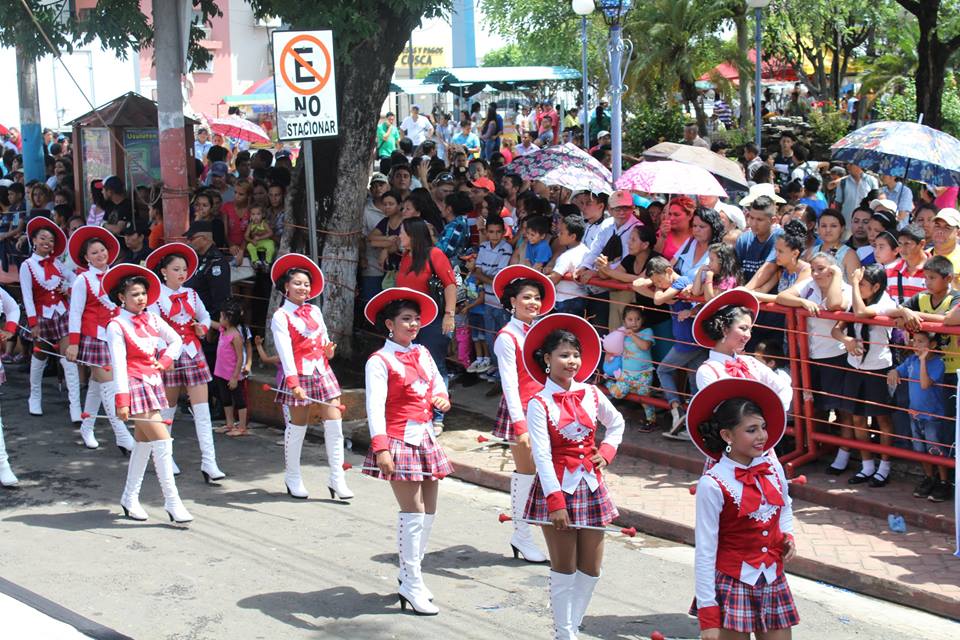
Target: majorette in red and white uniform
[43,286]
[301,339]
[11,314]
[402,383]
[562,424]
[518,387]
[135,341]
[90,312]
[183,310]
[744,517]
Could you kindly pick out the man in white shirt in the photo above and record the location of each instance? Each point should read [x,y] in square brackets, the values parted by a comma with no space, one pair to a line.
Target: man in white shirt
[415,127]
[852,189]
[526,146]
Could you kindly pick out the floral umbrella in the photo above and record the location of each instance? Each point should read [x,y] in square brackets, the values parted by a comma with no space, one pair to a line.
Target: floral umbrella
[566,166]
[903,149]
[672,178]
[239,129]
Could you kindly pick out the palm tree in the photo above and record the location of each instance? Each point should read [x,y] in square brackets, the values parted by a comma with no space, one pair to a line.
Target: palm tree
[893,71]
[668,37]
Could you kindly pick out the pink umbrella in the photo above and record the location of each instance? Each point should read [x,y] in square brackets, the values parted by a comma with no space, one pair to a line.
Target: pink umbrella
[239,129]
[670,177]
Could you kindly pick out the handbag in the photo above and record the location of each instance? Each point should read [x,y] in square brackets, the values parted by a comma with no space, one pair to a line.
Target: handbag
[435,285]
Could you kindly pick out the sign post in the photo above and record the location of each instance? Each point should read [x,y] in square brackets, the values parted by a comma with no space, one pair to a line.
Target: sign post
[305,90]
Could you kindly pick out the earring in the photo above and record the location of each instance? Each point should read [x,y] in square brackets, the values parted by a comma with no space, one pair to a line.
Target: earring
[728,449]
[390,335]
[547,370]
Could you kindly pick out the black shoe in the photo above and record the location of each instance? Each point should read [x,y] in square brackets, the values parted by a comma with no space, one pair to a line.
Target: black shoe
[941,492]
[925,487]
[833,471]
[859,478]
[877,480]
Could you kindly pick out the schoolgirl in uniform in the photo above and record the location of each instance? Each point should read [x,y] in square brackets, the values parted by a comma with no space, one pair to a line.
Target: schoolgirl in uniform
[744,523]
[304,347]
[43,286]
[135,337]
[93,250]
[560,352]
[724,325]
[526,294]
[182,309]
[403,387]
[11,314]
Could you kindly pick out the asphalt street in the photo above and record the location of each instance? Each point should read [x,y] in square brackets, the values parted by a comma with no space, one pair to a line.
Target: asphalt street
[257,564]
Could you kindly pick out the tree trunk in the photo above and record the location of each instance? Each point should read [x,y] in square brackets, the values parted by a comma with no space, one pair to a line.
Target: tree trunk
[743,37]
[931,63]
[688,89]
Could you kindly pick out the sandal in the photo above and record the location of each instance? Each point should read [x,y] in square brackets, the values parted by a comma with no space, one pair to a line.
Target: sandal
[237,432]
[647,427]
[225,428]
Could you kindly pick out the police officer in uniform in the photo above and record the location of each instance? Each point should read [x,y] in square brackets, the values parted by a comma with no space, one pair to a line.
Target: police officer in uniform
[212,283]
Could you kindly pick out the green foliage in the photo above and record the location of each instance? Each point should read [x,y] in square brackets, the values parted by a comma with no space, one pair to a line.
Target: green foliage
[827,125]
[736,138]
[903,106]
[648,122]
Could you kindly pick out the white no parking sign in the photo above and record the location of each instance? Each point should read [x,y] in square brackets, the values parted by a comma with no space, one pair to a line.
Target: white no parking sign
[304,84]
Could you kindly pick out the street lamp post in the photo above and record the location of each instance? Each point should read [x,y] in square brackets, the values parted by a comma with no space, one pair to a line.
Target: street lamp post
[758,6]
[583,8]
[618,59]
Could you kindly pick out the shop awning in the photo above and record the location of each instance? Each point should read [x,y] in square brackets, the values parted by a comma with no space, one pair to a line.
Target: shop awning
[501,78]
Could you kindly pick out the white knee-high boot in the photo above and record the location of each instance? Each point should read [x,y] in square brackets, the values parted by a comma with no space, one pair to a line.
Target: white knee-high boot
[208,453]
[583,588]
[333,441]
[130,500]
[522,540]
[163,463]
[168,414]
[293,437]
[90,407]
[412,590]
[71,375]
[561,596]
[7,479]
[35,402]
[108,396]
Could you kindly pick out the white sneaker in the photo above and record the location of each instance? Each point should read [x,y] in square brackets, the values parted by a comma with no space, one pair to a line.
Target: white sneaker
[474,365]
[484,365]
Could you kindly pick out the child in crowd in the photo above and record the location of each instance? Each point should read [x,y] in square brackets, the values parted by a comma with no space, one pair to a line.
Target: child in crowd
[636,373]
[460,322]
[519,243]
[570,294]
[493,256]
[229,371]
[790,268]
[868,350]
[720,273]
[770,353]
[259,238]
[923,371]
[537,252]
[473,310]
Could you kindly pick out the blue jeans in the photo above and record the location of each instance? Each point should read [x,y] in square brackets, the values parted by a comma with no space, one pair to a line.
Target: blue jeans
[370,286]
[494,319]
[666,370]
[573,306]
[598,311]
[938,435]
[437,343]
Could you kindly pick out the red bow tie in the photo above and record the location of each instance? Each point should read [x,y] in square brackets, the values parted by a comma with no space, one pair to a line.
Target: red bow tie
[180,303]
[737,368]
[413,370]
[50,269]
[142,326]
[571,409]
[304,313]
[100,290]
[751,498]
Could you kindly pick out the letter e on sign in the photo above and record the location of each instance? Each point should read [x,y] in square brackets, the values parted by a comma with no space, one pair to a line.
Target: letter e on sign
[304,84]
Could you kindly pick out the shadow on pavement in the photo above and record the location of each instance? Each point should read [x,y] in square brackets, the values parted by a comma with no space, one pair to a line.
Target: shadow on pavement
[671,625]
[291,607]
[445,562]
[85,520]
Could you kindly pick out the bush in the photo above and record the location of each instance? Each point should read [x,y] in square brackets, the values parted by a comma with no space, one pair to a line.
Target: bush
[903,106]
[648,123]
[827,125]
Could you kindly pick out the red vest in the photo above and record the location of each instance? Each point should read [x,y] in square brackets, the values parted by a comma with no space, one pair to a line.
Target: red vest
[305,348]
[528,386]
[403,403]
[140,362]
[95,314]
[569,454]
[742,539]
[186,330]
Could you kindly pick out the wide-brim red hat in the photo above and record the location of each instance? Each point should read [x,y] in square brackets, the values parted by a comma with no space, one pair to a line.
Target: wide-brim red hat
[428,308]
[179,248]
[589,344]
[711,396]
[117,273]
[732,298]
[298,261]
[523,272]
[88,232]
[59,237]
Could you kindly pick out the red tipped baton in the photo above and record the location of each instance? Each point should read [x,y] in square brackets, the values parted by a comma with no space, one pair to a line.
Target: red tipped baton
[86,415]
[413,472]
[339,407]
[627,531]
[105,367]
[656,635]
[485,442]
[30,331]
[799,481]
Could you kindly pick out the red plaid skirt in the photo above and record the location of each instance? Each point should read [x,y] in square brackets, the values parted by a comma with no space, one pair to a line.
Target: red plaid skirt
[585,507]
[145,397]
[762,607]
[319,386]
[54,329]
[94,351]
[503,427]
[196,372]
[428,457]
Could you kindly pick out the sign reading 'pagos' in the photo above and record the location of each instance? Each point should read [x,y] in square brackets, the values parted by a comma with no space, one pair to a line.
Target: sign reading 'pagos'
[423,58]
[304,84]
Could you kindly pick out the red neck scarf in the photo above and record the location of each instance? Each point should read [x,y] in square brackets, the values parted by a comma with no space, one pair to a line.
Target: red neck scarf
[304,313]
[571,409]
[180,303]
[751,499]
[50,269]
[413,370]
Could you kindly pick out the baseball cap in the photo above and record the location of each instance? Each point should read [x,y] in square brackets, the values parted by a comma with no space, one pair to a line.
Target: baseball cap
[484,183]
[620,198]
[884,203]
[219,168]
[415,106]
[199,226]
[283,153]
[113,183]
[602,133]
[949,215]
[378,177]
